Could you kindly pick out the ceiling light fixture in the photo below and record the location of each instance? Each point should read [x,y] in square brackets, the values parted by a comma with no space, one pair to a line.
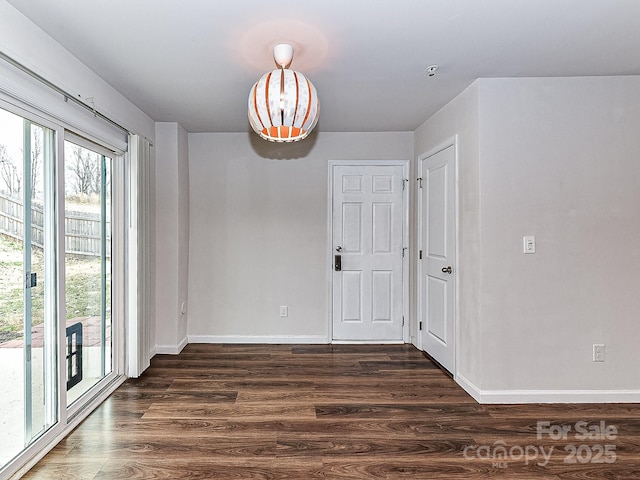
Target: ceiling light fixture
[283,104]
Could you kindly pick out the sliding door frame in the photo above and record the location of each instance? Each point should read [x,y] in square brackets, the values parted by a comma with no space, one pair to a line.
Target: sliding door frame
[68,418]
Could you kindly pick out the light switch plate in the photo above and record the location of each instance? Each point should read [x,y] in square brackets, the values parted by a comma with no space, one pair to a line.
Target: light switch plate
[529,244]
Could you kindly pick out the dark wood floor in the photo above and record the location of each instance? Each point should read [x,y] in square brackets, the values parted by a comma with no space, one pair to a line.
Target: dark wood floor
[334,412]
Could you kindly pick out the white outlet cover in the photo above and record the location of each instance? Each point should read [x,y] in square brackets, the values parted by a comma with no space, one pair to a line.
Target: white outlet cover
[598,352]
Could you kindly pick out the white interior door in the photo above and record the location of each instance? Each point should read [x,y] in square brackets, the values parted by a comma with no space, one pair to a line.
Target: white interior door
[367,222]
[437,256]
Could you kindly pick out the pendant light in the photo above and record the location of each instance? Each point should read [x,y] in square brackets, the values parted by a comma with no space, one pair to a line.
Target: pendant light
[283,104]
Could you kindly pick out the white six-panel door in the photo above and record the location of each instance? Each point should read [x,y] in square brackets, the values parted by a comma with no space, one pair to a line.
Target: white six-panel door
[437,263]
[367,225]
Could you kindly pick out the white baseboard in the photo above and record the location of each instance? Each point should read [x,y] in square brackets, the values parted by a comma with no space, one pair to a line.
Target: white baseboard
[547,396]
[272,339]
[468,387]
[172,349]
[367,342]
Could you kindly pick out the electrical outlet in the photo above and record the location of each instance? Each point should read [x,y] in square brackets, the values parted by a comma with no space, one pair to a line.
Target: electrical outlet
[284,311]
[598,352]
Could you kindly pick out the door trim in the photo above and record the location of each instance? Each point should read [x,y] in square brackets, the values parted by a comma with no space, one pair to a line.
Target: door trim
[451,142]
[405,164]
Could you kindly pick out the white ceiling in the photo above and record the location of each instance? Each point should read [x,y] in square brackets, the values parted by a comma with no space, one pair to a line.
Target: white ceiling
[194,61]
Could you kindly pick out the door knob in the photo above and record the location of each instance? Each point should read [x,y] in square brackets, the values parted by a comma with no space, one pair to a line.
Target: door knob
[447,269]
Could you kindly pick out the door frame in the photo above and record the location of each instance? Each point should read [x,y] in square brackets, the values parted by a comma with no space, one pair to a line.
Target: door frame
[405,164]
[451,142]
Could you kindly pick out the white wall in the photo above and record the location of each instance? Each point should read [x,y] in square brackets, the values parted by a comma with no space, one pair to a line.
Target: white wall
[172,236]
[556,158]
[559,160]
[259,231]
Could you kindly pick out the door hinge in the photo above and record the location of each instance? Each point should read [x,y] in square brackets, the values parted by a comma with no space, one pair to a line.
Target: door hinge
[403,320]
[420,254]
[404,183]
[419,182]
[404,249]
[420,326]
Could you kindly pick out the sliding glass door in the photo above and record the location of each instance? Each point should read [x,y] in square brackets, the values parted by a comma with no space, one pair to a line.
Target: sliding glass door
[58,338]
[87,266]
[28,290]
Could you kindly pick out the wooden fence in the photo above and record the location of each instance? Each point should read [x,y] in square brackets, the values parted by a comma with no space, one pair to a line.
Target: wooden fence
[82,229]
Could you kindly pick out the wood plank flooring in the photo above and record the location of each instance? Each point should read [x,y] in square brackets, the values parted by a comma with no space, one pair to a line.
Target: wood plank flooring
[331,412]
